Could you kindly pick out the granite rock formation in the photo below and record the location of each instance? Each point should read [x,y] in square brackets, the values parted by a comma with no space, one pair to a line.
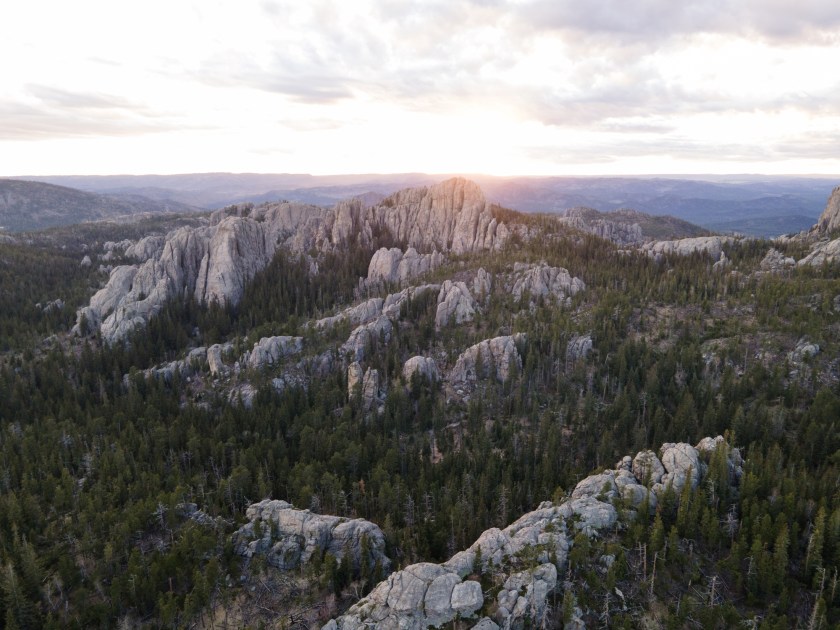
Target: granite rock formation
[288,537]
[711,245]
[823,252]
[214,262]
[427,595]
[392,266]
[425,367]
[623,232]
[271,350]
[544,282]
[455,304]
[829,220]
[775,262]
[491,358]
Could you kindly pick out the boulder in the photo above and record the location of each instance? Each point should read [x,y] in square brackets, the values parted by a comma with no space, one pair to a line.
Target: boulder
[646,466]
[774,261]
[243,394]
[355,315]
[423,366]
[482,284]
[355,374]
[214,359]
[543,282]
[455,304]
[711,245]
[288,537]
[467,598]
[271,350]
[370,389]
[602,486]
[822,253]
[803,351]
[734,461]
[438,602]
[489,358]
[578,348]
[593,515]
[392,266]
[682,465]
[367,336]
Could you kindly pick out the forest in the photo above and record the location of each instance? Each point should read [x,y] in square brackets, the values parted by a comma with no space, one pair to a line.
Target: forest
[99,463]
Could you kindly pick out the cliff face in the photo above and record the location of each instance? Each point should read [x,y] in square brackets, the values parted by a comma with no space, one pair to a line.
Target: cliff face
[452,216]
[215,262]
[829,220]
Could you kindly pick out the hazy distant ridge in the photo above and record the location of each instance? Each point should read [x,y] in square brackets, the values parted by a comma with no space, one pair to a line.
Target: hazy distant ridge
[28,205]
[753,205]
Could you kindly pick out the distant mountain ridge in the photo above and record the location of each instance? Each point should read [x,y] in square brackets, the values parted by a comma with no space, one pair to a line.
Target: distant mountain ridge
[630,227]
[28,205]
[755,206]
[751,205]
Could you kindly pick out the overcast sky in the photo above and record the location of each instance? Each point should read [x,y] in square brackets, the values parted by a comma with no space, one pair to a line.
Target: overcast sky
[467,86]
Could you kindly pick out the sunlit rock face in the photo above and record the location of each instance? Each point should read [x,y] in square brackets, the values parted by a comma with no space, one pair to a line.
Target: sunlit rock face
[829,220]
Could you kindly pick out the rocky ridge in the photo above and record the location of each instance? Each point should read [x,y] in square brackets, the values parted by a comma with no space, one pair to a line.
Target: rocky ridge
[213,263]
[526,557]
[822,252]
[711,245]
[626,232]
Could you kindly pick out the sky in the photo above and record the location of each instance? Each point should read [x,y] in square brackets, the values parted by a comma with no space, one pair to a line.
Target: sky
[502,87]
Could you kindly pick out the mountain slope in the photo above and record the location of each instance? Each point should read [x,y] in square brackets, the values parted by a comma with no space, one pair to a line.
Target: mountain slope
[627,227]
[26,205]
[266,459]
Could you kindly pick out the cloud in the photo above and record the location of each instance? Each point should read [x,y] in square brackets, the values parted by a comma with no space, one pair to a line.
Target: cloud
[57,97]
[654,21]
[646,77]
[45,112]
[554,61]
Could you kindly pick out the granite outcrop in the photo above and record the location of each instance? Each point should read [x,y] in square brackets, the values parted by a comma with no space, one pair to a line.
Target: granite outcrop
[214,262]
[491,358]
[289,538]
[527,556]
[541,281]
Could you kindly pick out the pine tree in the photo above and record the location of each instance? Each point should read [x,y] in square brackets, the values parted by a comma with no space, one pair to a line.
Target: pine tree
[657,534]
[21,612]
